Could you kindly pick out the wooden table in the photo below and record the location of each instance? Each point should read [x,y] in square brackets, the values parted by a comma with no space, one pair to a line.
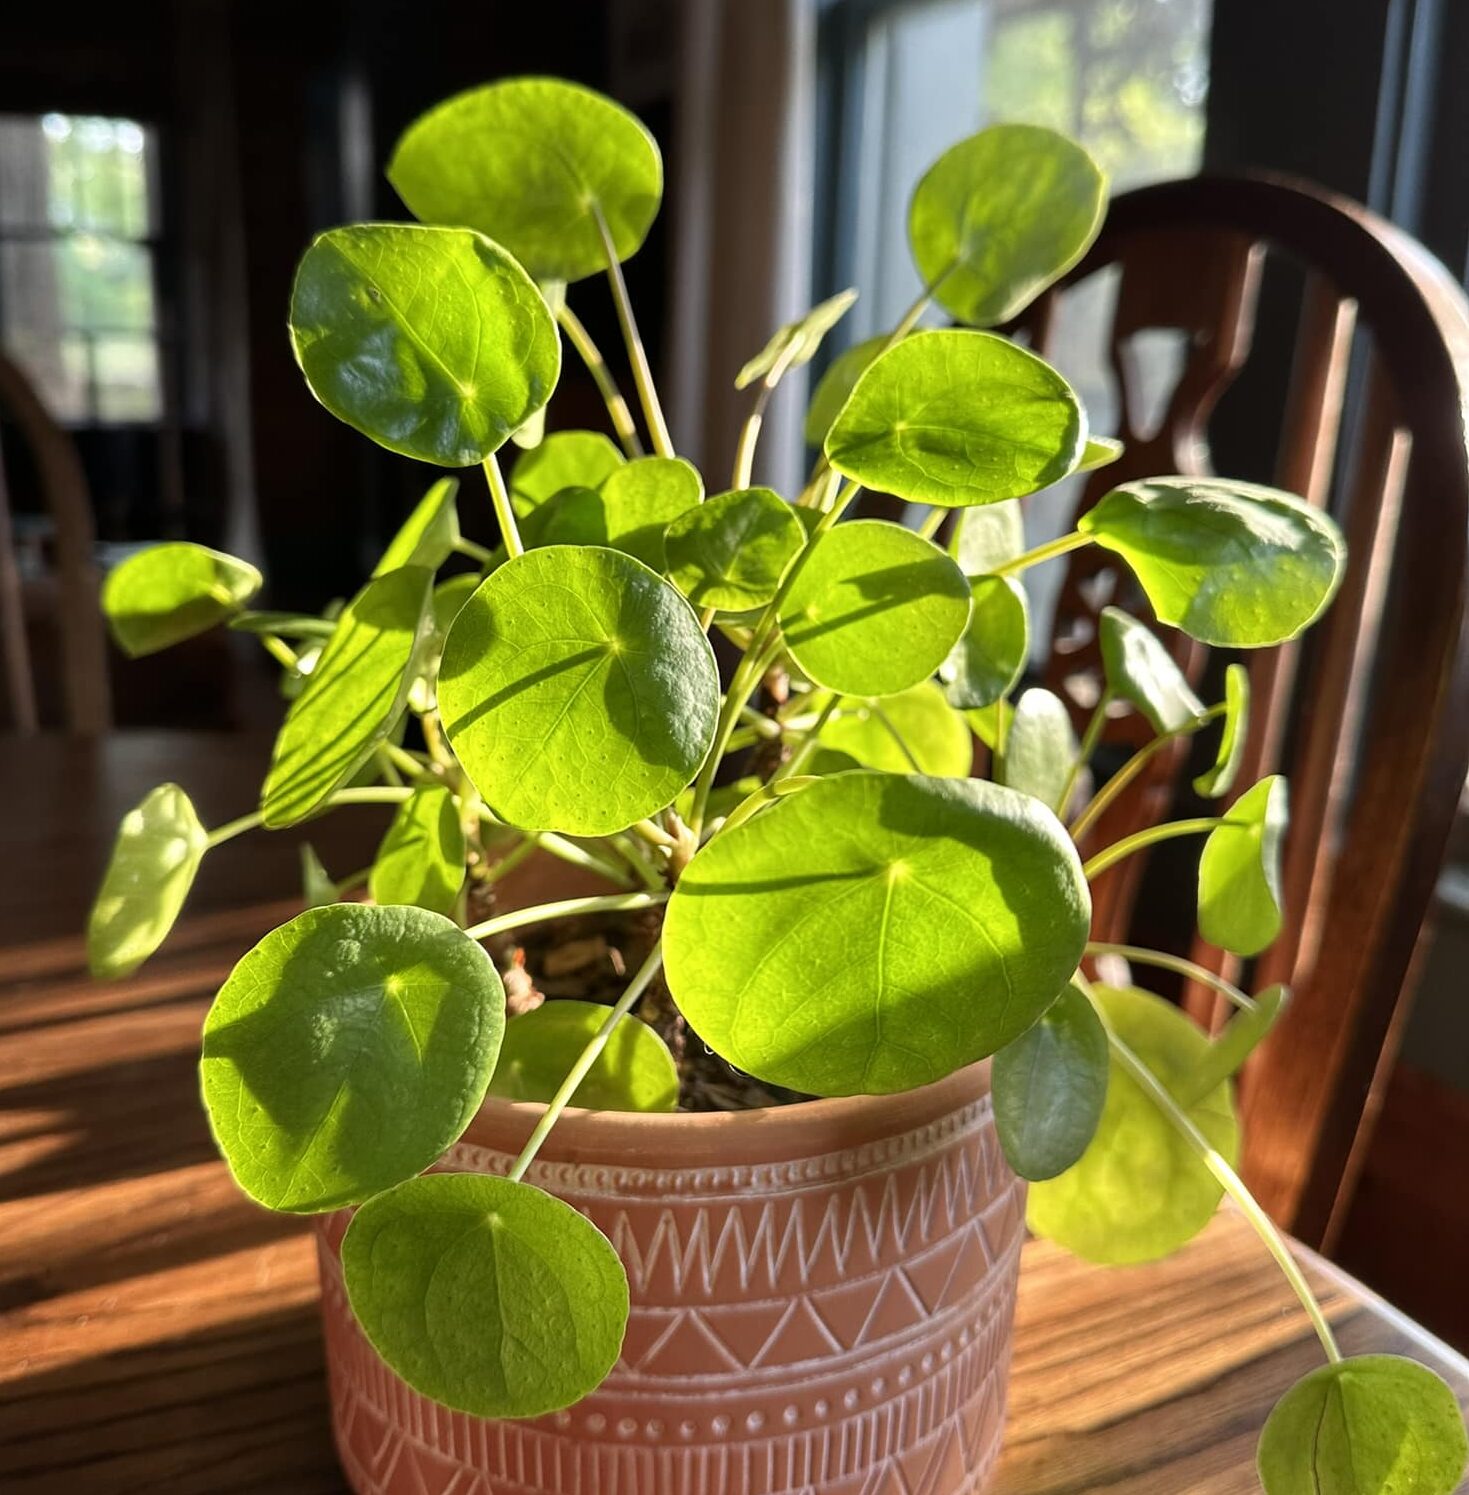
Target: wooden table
[159,1333]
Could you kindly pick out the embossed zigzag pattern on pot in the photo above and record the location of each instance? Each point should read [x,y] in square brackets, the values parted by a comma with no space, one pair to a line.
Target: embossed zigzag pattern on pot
[838,1325]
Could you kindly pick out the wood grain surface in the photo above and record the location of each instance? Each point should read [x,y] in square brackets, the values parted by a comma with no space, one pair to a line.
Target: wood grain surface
[158,1332]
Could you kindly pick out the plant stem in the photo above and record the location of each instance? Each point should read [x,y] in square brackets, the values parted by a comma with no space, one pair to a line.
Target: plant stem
[1130,770]
[279,650]
[1232,1185]
[744,463]
[585,1060]
[609,903]
[808,742]
[591,356]
[932,522]
[1048,552]
[380,795]
[474,552]
[762,725]
[510,861]
[1136,842]
[404,761]
[654,835]
[1084,751]
[579,856]
[1179,966]
[636,353]
[766,794]
[504,509]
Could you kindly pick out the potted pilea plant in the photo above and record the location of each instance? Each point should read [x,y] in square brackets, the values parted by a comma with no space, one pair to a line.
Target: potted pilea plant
[879,955]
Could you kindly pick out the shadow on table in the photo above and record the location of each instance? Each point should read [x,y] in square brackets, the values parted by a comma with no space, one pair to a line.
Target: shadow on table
[231,1408]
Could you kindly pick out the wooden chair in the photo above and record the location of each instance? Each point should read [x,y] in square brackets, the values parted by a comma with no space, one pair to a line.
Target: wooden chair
[1372,805]
[85,699]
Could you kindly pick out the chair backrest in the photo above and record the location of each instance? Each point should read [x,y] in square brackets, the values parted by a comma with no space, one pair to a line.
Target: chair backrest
[63,484]
[1369,715]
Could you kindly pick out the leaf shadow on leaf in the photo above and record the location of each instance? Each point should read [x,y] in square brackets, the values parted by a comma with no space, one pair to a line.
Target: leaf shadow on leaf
[659,747]
[892,586]
[283,1066]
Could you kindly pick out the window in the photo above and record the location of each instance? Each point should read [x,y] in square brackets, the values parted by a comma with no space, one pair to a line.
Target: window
[78,239]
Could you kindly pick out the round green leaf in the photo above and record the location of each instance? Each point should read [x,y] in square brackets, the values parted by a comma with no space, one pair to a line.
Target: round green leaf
[1238,1039]
[578,691]
[732,552]
[875,732]
[1239,871]
[630,512]
[1040,746]
[1229,563]
[159,846]
[1139,1191]
[1369,1425]
[1049,1087]
[352,698]
[432,341]
[487,1296]
[346,1051]
[986,537]
[534,161]
[565,459]
[987,662]
[875,932]
[1218,779]
[956,418]
[421,859]
[1000,216]
[873,609]
[167,593]
[796,343]
[429,534]
[1100,451]
[1140,670]
[835,386]
[635,1072]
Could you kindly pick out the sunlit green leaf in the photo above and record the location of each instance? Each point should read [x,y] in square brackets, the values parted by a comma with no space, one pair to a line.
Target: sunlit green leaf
[421,859]
[990,658]
[1139,1191]
[1000,216]
[1100,451]
[630,511]
[1229,563]
[835,386]
[428,535]
[875,932]
[732,551]
[487,1296]
[874,609]
[1218,779]
[167,593]
[1367,1425]
[988,723]
[317,887]
[796,343]
[353,697]
[565,459]
[874,732]
[1040,746]
[1049,1086]
[635,1072]
[956,418]
[1140,670]
[159,846]
[1235,1042]
[578,691]
[346,1051]
[535,162]
[432,341]
[988,536]
[1239,871]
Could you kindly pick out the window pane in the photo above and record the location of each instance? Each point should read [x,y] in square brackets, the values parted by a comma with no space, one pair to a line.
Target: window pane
[57,368]
[106,285]
[127,379]
[24,181]
[99,175]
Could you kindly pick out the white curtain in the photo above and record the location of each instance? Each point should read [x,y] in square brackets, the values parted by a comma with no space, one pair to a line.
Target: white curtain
[745,133]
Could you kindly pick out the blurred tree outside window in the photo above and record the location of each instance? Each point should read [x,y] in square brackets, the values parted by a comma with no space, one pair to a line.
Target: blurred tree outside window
[78,237]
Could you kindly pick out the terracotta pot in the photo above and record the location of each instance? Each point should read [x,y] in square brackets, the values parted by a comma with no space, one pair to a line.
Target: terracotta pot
[822,1299]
